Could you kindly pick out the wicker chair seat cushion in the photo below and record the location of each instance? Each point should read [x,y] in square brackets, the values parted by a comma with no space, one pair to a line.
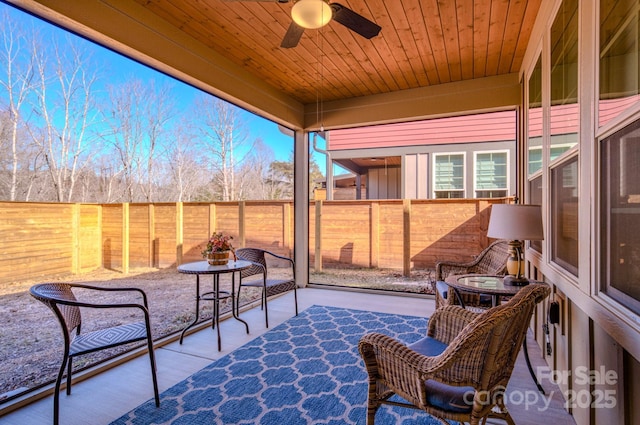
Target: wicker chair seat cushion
[428,346]
[105,338]
[443,290]
[449,398]
[442,396]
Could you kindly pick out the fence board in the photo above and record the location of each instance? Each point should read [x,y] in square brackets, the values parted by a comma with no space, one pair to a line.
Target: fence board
[40,240]
[195,230]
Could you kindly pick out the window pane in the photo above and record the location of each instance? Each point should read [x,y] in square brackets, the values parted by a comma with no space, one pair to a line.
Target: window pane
[449,172]
[535,119]
[446,194]
[491,173]
[619,46]
[535,198]
[564,186]
[564,78]
[620,216]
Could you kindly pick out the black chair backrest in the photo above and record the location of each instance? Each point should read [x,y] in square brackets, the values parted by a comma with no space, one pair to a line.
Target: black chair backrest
[53,295]
[254,255]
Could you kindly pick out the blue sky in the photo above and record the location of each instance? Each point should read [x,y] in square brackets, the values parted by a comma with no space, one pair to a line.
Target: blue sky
[119,68]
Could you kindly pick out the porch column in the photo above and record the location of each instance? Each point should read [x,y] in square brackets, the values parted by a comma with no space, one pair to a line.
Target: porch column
[301,207]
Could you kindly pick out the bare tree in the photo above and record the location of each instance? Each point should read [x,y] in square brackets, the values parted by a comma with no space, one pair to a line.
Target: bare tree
[222,132]
[138,120]
[64,96]
[184,168]
[158,110]
[16,84]
[125,133]
[252,182]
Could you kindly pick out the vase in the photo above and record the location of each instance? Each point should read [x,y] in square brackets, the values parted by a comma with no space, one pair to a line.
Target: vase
[218,258]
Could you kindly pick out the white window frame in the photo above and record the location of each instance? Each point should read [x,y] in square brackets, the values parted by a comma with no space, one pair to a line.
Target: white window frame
[464,173]
[475,169]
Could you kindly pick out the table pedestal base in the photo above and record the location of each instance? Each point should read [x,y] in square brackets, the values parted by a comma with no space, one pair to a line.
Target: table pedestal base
[216,296]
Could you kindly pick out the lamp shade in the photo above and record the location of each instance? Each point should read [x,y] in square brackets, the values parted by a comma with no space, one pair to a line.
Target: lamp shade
[516,222]
[311,14]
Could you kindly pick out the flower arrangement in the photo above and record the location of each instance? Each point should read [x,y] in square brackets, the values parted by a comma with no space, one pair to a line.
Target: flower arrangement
[218,243]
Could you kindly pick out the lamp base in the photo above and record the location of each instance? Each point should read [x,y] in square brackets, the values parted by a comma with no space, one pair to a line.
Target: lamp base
[515,281]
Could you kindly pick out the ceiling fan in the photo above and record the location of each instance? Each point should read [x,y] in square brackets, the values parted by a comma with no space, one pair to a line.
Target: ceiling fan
[312,14]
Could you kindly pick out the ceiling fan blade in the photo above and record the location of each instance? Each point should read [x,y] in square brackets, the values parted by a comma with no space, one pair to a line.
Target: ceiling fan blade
[355,22]
[292,37]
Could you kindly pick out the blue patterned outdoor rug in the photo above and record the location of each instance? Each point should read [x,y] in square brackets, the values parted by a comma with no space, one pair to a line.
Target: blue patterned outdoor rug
[305,371]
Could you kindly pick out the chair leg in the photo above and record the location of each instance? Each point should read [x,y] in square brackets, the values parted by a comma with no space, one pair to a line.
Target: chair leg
[152,359]
[69,367]
[372,408]
[266,312]
[502,413]
[56,394]
[295,299]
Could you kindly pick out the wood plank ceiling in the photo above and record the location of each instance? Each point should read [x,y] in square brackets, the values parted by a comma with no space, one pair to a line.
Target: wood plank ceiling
[422,43]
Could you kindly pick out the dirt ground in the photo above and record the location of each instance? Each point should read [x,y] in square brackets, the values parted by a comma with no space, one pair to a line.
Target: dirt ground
[31,348]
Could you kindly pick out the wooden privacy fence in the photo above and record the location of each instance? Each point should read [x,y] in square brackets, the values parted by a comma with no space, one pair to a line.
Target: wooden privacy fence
[41,240]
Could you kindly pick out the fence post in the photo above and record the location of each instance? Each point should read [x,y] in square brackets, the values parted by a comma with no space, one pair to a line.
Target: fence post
[286,228]
[406,237]
[374,237]
[212,220]
[179,231]
[151,213]
[241,223]
[75,239]
[318,248]
[125,238]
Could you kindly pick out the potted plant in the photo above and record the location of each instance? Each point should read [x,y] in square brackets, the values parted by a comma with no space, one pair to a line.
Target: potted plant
[218,249]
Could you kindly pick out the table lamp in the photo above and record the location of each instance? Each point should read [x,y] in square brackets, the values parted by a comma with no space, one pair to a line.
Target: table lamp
[516,222]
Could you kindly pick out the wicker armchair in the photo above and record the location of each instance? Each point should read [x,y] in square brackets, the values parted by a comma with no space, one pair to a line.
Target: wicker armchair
[60,298]
[269,286]
[461,369]
[492,260]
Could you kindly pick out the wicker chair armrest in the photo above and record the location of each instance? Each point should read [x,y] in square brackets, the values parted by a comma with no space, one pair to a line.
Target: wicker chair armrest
[397,365]
[447,268]
[447,322]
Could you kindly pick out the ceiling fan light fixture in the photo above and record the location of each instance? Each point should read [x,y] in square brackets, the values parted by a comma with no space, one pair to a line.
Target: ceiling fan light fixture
[311,14]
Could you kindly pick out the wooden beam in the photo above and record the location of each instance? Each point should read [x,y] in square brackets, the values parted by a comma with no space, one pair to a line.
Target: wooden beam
[451,99]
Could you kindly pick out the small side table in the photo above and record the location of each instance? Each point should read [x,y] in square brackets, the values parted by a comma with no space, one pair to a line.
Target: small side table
[481,284]
[216,295]
[494,286]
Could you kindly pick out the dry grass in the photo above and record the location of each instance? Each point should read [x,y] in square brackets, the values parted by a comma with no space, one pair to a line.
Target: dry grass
[31,348]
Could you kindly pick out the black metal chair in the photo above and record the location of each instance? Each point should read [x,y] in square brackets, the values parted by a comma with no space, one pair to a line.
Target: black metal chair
[270,287]
[60,298]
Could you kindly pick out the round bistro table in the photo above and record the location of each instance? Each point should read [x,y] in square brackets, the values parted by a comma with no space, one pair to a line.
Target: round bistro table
[216,295]
[482,284]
